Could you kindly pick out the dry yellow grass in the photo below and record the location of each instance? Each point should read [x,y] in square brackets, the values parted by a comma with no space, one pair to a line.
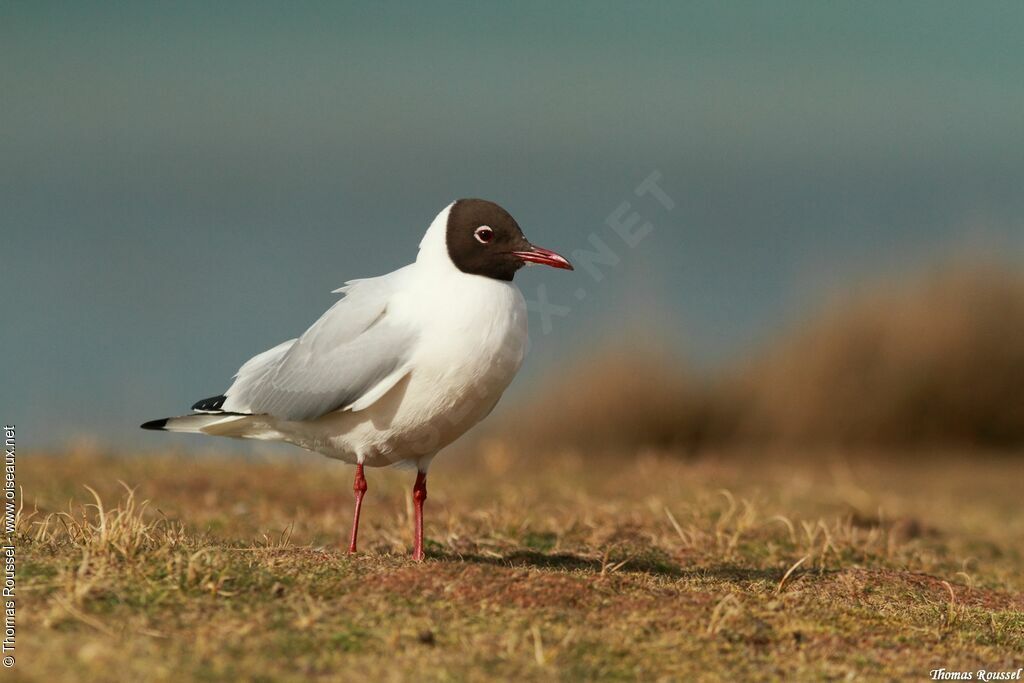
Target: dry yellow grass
[555,566]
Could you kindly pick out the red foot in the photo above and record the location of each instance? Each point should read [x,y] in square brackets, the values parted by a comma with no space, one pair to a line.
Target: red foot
[419,495]
[359,486]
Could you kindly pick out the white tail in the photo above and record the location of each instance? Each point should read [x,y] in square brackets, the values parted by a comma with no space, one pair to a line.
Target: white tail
[218,424]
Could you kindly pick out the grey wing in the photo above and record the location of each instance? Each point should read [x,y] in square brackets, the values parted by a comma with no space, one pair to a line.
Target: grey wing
[347,359]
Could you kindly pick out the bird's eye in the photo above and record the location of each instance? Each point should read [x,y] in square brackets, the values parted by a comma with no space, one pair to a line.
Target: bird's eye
[483,234]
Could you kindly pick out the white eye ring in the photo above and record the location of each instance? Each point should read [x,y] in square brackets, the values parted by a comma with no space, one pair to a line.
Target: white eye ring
[483,234]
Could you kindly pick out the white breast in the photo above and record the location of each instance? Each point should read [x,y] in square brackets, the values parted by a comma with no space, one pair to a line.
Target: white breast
[471,344]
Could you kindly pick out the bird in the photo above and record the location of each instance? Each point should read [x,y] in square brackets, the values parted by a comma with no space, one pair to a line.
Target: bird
[399,367]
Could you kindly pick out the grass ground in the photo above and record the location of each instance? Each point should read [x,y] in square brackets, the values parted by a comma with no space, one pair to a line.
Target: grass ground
[645,567]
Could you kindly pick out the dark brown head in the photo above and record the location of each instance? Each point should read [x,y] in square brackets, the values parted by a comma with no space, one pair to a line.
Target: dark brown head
[484,239]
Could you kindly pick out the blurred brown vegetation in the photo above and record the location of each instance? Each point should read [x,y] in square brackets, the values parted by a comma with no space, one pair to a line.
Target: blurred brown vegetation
[934,359]
[620,396]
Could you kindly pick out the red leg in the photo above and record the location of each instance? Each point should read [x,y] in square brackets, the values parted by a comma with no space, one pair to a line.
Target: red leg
[359,486]
[419,494]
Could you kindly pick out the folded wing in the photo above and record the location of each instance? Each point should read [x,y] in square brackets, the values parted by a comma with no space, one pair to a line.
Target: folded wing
[346,360]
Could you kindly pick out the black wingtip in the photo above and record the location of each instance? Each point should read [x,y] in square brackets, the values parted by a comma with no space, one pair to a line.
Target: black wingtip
[155,424]
[210,405]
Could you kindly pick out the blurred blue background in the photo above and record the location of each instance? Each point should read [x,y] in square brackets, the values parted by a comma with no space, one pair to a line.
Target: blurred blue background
[182,184]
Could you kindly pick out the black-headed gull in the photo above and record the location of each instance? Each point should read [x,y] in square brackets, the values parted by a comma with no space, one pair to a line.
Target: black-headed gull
[400,367]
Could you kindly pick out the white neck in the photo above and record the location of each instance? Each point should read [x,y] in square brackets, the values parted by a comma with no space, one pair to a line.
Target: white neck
[433,254]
